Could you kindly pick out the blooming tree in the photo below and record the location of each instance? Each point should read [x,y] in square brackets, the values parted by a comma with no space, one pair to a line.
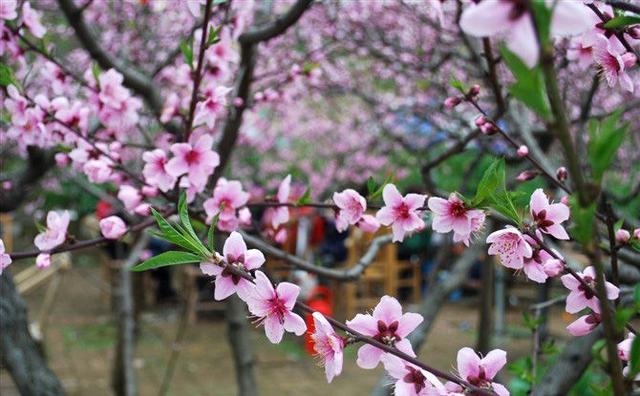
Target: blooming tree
[496,108]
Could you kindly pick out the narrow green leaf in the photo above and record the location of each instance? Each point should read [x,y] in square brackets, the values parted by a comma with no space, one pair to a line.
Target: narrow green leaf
[371,185]
[214,36]
[183,212]
[187,52]
[623,315]
[492,180]
[618,225]
[583,218]
[622,21]
[305,198]
[95,70]
[6,76]
[634,359]
[459,85]
[166,259]
[605,138]
[172,235]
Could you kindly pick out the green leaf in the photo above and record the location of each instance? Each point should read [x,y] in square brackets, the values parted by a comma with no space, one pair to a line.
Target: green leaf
[371,186]
[492,180]
[214,36]
[187,52]
[623,315]
[457,84]
[183,212]
[542,15]
[634,359]
[605,138]
[95,70]
[6,76]
[622,21]
[583,218]
[165,259]
[618,225]
[305,198]
[171,234]
[529,87]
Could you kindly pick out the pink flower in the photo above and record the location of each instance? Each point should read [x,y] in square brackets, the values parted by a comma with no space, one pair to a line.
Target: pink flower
[208,110]
[43,260]
[228,197]
[112,92]
[453,215]
[112,227]
[514,22]
[351,208]
[553,267]
[622,236]
[56,232]
[480,372]
[155,172]
[581,297]
[31,20]
[197,160]
[548,216]
[613,62]
[328,346]
[509,244]
[368,223]
[5,259]
[402,213]
[16,105]
[522,151]
[280,214]
[411,380]
[8,9]
[541,264]
[584,325]
[273,307]
[98,170]
[624,347]
[236,255]
[388,325]
[130,197]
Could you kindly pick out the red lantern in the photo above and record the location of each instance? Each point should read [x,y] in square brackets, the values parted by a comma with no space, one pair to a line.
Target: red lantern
[320,300]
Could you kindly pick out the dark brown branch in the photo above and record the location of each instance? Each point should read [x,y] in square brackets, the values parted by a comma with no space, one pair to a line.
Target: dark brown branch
[277,27]
[37,164]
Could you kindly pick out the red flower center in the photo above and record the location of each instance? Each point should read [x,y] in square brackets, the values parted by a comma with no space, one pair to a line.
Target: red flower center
[192,157]
[415,377]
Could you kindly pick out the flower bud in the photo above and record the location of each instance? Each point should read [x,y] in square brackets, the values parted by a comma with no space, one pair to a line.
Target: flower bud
[149,191]
[451,102]
[553,267]
[62,159]
[112,227]
[43,260]
[238,102]
[565,200]
[488,128]
[523,151]
[562,174]
[622,236]
[527,175]
[474,90]
[480,121]
[636,233]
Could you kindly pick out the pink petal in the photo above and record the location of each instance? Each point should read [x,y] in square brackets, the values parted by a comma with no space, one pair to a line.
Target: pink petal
[580,327]
[391,196]
[264,289]
[394,366]
[570,282]
[538,201]
[364,324]
[210,269]
[385,216]
[369,356]
[293,323]
[570,18]
[245,289]
[438,205]
[388,310]
[414,201]
[486,18]
[500,389]
[612,291]
[535,272]
[575,302]
[177,166]
[408,323]
[288,293]
[234,246]
[558,212]
[493,362]
[253,259]
[558,232]
[284,190]
[273,329]
[398,232]
[405,346]
[522,41]
[468,363]
[224,287]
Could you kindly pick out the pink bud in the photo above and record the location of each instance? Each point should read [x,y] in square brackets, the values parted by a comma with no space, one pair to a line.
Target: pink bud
[62,159]
[553,267]
[43,260]
[112,227]
[368,223]
[146,254]
[238,102]
[258,96]
[622,236]
[488,128]
[565,200]
[474,90]
[451,102]
[523,151]
[636,233]
[150,191]
[562,174]
[527,175]
[7,185]
[629,59]
[144,209]
[480,121]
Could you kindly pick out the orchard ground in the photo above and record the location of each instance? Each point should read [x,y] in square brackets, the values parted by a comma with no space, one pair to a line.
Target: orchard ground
[80,344]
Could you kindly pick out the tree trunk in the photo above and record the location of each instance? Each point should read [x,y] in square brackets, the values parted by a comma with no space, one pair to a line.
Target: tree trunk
[241,347]
[20,353]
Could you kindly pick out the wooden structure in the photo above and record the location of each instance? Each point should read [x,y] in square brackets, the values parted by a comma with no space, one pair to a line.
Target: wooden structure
[385,275]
